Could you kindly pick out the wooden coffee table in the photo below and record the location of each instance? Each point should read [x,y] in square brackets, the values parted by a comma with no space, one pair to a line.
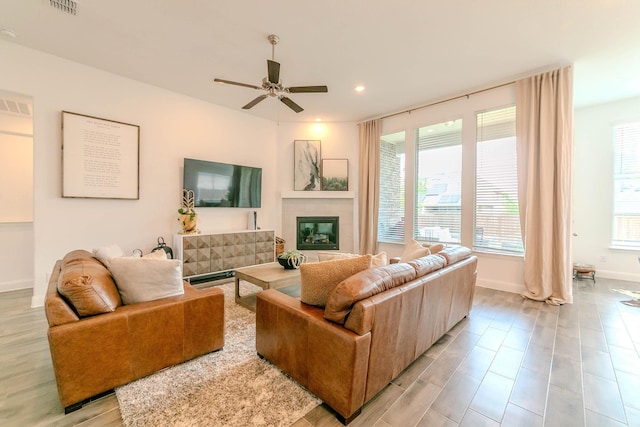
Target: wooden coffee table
[267,276]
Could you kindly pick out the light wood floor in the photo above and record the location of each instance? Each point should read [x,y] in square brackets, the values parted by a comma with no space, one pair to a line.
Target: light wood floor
[513,362]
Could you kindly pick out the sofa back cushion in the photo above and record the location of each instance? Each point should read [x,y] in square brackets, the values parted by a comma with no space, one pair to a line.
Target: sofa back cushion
[86,284]
[317,279]
[454,254]
[363,285]
[427,264]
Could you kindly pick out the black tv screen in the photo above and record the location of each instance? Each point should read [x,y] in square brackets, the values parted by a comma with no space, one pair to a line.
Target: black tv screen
[223,185]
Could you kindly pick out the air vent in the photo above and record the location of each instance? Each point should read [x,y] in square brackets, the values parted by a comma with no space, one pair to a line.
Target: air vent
[18,108]
[66,6]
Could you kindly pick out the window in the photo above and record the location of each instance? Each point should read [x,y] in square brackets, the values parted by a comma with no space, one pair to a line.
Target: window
[392,172]
[497,218]
[437,216]
[626,186]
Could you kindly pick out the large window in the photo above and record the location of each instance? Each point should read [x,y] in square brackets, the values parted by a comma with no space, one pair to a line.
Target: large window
[392,172]
[626,186]
[496,219]
[437,216]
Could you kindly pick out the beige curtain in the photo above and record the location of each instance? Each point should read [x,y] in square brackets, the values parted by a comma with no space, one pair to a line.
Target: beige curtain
[368,185]
[544,134]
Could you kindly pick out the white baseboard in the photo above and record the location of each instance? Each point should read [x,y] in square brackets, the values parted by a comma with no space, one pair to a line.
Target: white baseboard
[515,288]
[37,301]
[15,285]
[608,274]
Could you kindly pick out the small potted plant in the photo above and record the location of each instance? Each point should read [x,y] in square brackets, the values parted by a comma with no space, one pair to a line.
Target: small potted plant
[291,259]
[188,218]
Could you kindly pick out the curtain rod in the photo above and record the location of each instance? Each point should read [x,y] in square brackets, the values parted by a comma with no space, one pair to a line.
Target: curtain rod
[466,95]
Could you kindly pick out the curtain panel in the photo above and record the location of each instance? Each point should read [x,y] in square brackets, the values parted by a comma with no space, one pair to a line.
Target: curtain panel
[544,135]
[368,185]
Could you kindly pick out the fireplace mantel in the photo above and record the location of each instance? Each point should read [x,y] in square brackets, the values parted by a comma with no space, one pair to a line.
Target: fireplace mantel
[318,195]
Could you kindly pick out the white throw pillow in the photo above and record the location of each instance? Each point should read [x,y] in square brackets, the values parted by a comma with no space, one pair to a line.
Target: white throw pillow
[105,253]
[414,250]
[146,279]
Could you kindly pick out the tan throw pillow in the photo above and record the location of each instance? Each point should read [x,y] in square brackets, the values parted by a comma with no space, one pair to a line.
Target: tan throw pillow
[377,260]
[317,279]
[436,247]
[414,250]
[146,279]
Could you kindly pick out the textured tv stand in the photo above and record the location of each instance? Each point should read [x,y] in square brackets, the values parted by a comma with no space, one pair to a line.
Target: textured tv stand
[210,253]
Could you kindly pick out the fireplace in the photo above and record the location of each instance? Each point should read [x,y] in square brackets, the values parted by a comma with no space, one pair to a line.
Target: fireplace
[317,232]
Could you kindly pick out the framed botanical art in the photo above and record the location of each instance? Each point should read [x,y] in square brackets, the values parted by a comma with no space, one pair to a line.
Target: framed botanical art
[100,158]
[335,174]
[306,165]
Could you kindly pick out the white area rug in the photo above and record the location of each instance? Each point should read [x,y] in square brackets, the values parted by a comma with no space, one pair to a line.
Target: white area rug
[229,387]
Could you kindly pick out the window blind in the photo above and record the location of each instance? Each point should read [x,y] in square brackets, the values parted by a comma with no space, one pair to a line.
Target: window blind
[626,186]
[496,219]
[437,216]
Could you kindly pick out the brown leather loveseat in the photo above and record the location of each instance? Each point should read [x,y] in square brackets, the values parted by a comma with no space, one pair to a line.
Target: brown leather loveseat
[95,353]
[374,325]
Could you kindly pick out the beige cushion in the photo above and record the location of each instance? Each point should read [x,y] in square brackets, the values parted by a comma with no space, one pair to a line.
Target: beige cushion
[414,250]
[435,248]
[317,279]
[377,260]
[146,279]
[87,285]
[363,285]
[105,253]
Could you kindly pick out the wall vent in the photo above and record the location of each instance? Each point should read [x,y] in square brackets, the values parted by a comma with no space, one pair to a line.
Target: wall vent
[66,6]
[15,107]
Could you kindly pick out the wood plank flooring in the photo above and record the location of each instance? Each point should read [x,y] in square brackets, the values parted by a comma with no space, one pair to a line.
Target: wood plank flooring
[513,362]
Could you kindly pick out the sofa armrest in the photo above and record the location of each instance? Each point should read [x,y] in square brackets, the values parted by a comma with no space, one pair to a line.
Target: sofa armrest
[324,357]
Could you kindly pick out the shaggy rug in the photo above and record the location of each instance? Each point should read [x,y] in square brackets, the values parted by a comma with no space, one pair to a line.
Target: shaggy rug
[229,387]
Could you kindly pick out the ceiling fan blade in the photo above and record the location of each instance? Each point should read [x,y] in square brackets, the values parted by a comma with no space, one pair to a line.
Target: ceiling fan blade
[289,103]
[274,71]
[254,102]
[229,82]
[307,89]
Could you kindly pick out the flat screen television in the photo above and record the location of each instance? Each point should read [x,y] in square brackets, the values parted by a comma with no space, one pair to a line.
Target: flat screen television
[217,184]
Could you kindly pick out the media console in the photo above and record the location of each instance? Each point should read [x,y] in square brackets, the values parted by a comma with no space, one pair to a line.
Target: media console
[213,253]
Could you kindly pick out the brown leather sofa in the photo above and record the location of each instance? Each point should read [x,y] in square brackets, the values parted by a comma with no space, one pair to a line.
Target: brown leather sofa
[93,354]
[374,325]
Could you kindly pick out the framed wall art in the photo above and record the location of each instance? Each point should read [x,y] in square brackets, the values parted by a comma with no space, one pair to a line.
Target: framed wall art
[306,161]
[100,158]
[335,174]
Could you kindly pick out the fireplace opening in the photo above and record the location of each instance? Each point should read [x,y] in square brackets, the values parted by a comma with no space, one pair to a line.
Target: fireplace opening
[317,232]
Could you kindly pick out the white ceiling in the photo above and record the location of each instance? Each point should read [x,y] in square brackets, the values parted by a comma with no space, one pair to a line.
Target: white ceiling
[407,53]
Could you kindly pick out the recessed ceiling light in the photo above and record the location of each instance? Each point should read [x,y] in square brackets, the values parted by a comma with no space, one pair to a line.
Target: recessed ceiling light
[8,33]
[318,119]
[359,88]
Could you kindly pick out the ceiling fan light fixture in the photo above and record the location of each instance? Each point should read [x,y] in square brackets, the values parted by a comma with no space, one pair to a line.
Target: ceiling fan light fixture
[272,84]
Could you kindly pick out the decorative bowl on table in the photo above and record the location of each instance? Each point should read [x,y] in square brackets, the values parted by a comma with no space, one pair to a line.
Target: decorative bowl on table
[291,260]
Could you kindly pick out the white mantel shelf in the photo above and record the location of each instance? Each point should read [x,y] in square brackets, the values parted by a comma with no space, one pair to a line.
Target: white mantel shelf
[318,195]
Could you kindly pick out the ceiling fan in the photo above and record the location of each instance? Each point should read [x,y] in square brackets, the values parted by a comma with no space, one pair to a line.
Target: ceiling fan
[272,84]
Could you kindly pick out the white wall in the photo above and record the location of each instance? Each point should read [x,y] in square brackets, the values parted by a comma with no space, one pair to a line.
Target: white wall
[338,141]
[592,190]
[172,126]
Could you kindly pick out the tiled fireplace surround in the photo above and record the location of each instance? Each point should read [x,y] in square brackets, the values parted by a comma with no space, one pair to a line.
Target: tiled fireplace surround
[295,204]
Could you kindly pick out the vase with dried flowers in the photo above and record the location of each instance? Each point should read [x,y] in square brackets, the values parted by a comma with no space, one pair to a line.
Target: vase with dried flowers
[188,218]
